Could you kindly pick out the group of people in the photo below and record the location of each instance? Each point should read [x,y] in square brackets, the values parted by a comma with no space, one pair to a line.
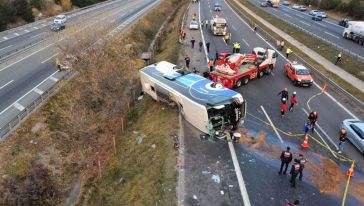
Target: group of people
[297,166]
[284,98]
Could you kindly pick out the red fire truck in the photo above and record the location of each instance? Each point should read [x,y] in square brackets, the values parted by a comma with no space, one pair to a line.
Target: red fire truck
[237,69]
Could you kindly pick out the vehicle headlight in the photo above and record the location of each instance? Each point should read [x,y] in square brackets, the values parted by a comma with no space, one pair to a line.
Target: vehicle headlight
[299,80]
[311,80]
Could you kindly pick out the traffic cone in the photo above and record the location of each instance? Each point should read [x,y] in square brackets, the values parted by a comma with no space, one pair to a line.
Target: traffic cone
[304,144]
[350,171]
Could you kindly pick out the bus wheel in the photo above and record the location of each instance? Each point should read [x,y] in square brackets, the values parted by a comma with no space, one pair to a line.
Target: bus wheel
[260,74]
[245,80]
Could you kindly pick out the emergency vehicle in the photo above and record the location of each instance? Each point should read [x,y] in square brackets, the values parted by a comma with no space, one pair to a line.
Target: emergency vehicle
[207,105]
[298,74]
[237,69]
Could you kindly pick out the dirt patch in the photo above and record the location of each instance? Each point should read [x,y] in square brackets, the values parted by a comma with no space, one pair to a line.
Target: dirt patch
[258,143]
[357,190]
[328,178]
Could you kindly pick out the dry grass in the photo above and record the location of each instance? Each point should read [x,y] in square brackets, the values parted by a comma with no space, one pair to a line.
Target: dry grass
[348,63]
[72,133]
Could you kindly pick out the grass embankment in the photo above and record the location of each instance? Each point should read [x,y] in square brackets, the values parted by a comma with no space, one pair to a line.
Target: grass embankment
[348,63]
[71,136]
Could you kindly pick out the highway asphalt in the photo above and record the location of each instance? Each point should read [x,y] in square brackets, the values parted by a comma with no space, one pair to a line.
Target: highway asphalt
[327,29]
[263,103]
[31,74]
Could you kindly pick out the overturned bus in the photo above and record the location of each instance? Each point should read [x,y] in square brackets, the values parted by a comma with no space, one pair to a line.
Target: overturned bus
[207,105]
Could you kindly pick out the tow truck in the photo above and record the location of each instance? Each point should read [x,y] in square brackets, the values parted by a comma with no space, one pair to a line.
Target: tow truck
[237,69]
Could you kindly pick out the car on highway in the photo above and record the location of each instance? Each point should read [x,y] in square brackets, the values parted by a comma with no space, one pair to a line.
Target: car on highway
[58,26]
[322,14]
[317,17]
[217,6]
[60,19]
[355,132]
[302,8]
[263,4]
[313,12]
[194,25]
[286,3]
[298,74]
[296,6]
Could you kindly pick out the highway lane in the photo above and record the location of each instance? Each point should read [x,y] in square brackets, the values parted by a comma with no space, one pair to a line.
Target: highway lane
[25,75]
[326,29]
[26,37]
[263,92]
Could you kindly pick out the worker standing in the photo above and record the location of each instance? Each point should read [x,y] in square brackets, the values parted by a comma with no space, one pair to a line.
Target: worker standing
[342,140]
[237,49]
[282,45]
[283,107]
[293,101]
[312,118]
[192,43]
[302,161]
[200,44]
[286,158]
[338,58]
[206,23]
[187,60]
[288,52]
[284,94]
[278,43]
[211,65]
[216,56]
[208,47]
[234,47]
[202,24]
[295,169]
[227,37]
[58,64]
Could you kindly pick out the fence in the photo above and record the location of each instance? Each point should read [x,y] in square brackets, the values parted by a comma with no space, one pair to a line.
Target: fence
[269,38]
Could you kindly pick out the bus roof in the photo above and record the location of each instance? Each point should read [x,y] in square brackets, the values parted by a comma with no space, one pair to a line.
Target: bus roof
[192,86]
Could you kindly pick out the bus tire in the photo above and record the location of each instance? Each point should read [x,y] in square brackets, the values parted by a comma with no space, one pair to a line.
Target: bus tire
[260,74]
[245,80]
[345,36]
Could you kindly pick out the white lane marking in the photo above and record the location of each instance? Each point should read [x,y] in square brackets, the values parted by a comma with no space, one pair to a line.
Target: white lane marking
[19,106]
[288,15]
[6,47]
[323,132]
[321,24]
[245,42]
[53,79]
[305,23]
[239,175]
[300,16]
[284,57]
[37,35]
[50,58]
[333,35]
[38,91]
[35,27]
[232,26]
[6,38]
[44,25]
[2,112]
[6,84]
[203,38]
[16,34]
[271,124]
[26,30]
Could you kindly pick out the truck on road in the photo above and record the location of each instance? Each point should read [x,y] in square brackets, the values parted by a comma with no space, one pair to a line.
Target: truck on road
[238,69]
[207,105]
[355,31]
[218,26]
[273,3]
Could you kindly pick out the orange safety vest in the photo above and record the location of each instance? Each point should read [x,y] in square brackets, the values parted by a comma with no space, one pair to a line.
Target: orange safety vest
[211,63]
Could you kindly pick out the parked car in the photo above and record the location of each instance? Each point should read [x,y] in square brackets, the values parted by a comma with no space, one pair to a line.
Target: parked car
[296,6]
[58,26]
[313,12]
[317,17]
[355,132]
[298,74]
[60,19]
[194,25]
[322,14]
[286,3]
[303,8]
[263,4]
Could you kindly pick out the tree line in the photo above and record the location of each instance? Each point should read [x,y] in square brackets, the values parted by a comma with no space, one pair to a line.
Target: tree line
[353,8]
[12,10]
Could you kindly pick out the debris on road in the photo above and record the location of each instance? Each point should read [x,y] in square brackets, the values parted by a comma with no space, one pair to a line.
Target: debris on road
[216,178]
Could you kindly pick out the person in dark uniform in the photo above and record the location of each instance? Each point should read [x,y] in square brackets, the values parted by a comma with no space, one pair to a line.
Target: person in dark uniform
[284,94]
[312,118]
[208,47]
[286,158]
[302,161]
[295,169]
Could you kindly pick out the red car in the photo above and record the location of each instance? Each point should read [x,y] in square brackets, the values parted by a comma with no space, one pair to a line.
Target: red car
[298,74]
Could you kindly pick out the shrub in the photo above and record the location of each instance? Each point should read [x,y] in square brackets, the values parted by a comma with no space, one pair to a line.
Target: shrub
[329,4]
[7,14]
[24,10]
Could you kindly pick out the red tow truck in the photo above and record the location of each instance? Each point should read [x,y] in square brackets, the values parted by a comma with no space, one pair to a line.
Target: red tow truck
[237,69]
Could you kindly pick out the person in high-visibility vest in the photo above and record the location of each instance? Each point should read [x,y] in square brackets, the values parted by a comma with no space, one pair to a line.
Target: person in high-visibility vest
[338,58]
[211,65]
[236,47]
[288,52]
[58,64]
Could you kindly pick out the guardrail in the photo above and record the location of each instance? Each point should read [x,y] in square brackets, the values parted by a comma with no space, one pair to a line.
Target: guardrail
[335,46]
[269,38]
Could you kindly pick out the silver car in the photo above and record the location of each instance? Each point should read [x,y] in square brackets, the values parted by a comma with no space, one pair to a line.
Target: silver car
[355,132]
